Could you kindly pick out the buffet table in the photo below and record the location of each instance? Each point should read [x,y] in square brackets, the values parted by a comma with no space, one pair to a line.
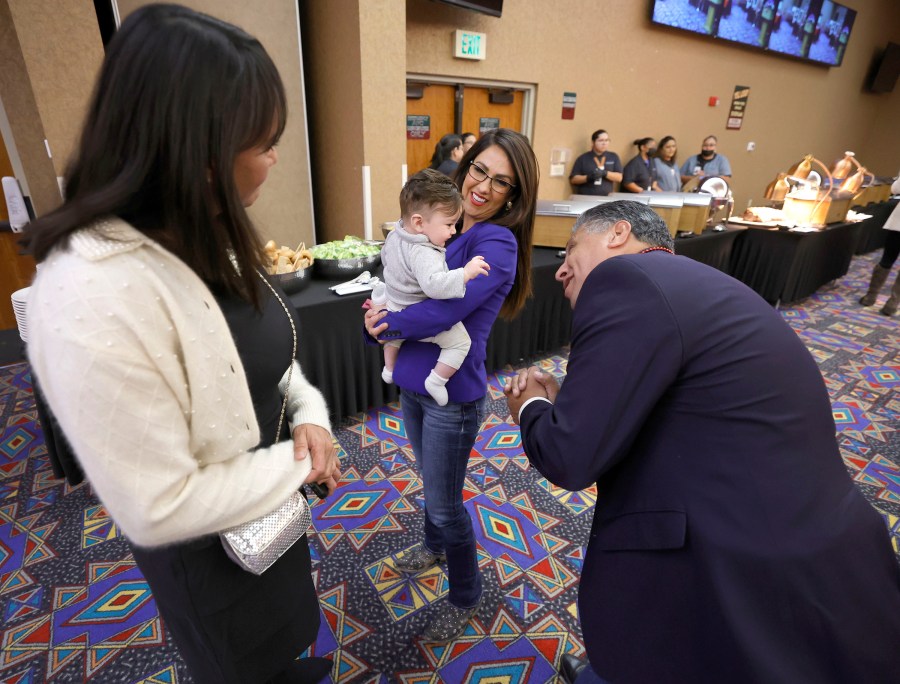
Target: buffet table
[710,247]
[336,359]
[784,266]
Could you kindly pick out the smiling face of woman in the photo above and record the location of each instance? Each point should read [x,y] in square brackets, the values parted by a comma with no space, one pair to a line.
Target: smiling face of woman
[480,200]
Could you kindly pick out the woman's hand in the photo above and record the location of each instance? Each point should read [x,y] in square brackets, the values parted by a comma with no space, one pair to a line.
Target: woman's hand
[373,321]
[316,442]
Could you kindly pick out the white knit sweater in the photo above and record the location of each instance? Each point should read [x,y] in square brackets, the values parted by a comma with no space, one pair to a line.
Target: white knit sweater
[138,364]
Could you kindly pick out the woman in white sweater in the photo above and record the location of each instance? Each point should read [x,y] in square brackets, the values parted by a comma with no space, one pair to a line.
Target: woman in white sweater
[164,353]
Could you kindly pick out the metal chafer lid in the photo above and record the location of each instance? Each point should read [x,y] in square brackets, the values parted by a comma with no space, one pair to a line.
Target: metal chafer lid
[696,199]
[654,199]
[669,201]
[611,197]
[574,206]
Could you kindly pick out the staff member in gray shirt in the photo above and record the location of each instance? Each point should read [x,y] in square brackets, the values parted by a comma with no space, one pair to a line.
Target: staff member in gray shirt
[707,163]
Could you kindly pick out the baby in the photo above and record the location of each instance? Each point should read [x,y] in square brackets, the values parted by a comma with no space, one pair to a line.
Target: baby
[415,269]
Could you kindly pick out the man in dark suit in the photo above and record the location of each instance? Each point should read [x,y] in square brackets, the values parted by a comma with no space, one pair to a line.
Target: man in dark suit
[729,543]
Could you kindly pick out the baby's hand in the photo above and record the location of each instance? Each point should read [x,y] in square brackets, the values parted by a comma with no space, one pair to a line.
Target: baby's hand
[476,267]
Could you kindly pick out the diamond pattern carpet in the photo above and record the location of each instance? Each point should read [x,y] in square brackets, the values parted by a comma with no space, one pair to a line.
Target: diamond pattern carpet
[75,607]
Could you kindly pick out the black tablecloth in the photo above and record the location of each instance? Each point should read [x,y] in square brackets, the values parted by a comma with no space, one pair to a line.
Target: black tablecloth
[710,247]
[336,359]
[785,266]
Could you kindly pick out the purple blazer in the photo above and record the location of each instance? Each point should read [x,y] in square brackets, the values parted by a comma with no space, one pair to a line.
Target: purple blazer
[477,310]
[729,543]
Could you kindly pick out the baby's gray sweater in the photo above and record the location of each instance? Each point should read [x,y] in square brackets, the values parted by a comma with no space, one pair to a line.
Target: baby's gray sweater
[415,269]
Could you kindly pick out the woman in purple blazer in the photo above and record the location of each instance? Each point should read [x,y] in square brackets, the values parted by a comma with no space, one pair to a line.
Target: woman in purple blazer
[498,179]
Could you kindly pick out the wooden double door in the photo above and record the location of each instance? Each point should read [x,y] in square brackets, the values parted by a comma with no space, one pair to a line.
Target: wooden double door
[456,108]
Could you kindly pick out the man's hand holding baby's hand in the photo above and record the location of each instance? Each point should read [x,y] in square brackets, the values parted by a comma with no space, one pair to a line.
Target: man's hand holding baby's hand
[477,266]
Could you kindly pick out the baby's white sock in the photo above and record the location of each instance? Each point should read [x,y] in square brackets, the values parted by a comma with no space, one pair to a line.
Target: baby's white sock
[387,375]
[434,385]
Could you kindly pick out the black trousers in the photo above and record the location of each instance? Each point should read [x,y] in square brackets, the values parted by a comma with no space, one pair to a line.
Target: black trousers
[230,625]
[891,248]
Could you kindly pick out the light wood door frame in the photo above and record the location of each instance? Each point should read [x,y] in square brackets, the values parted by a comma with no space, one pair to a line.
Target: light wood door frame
[529,93]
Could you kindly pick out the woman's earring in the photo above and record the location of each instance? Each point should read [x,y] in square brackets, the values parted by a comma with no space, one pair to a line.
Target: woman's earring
[509,205]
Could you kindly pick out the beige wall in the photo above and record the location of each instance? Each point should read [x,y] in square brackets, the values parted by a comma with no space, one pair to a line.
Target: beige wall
[383,54]
[636,80]
[50,52]
[356,68]
[331,51]
[62,72]
[284,210]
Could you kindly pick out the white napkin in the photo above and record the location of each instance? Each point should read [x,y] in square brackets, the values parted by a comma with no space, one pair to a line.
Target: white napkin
[364,282]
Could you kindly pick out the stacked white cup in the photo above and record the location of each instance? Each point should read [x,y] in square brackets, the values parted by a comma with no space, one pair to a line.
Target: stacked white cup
[20,303]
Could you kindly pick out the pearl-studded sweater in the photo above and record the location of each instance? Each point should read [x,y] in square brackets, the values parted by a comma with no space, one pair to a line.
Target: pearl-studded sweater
[137,363]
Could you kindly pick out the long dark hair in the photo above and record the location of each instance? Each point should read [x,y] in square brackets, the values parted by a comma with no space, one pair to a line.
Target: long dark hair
[662,143]
[520,218]
[179,95]
[444,148]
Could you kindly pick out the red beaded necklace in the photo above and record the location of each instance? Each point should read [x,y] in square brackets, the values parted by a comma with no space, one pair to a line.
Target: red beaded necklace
[656,249]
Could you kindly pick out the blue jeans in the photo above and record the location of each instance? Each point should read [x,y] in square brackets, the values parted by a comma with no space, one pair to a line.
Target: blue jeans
[442,438]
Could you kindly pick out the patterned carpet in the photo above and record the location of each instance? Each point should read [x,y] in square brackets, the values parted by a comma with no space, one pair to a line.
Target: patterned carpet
[75,608]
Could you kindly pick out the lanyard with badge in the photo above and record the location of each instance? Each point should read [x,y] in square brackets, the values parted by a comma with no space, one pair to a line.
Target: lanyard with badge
[602,166]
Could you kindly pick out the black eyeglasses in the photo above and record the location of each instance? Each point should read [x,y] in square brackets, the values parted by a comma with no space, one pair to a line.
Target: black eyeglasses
[497,185]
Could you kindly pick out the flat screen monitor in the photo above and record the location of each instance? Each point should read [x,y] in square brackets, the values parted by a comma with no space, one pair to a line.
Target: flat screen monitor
[492,7]
[814,30]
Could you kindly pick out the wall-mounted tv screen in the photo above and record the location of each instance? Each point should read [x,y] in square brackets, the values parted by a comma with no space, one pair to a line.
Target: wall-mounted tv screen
[492,7]
[817,30]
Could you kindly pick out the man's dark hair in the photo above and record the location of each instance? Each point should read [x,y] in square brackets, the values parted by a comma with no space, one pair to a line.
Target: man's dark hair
[646,224]
[596,134]
[431,190]
[180,94]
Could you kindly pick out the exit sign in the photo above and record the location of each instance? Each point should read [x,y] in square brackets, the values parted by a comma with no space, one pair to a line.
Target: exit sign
[470,45]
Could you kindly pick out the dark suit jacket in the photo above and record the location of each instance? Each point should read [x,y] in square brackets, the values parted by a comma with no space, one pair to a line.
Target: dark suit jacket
[729,544]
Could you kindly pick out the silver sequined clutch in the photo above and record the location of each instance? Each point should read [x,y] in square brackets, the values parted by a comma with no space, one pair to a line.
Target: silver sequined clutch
[255,545]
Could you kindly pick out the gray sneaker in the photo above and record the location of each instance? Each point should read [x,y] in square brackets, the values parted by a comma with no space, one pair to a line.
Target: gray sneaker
[449,622]
[417,559]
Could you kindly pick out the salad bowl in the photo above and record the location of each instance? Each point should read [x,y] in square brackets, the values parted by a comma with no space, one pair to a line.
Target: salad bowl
[343,269]
[345,259]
